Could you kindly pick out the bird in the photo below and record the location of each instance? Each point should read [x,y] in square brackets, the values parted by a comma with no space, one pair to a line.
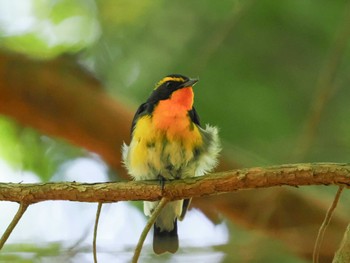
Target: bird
[169,143]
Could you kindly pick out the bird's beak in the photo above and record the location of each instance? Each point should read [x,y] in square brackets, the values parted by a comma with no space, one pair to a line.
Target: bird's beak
[189,83]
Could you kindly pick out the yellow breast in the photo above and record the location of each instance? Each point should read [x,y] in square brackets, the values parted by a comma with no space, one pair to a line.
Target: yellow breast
[158,144]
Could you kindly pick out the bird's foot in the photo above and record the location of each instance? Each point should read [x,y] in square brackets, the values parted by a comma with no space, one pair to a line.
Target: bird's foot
[161,182]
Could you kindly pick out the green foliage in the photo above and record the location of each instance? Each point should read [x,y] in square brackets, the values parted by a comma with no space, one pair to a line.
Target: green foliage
[256,247]
[57,27]
[258,64]
[26,149]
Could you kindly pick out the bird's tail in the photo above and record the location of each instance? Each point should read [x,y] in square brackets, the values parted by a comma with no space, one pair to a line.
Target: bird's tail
[165,241]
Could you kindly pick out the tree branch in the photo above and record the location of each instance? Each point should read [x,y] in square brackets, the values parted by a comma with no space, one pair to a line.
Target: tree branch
[291,175]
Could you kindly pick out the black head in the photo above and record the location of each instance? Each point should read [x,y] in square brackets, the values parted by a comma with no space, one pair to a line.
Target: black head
[166,86]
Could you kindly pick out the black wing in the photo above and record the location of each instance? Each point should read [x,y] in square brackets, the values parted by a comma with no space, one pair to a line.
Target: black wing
[140,111]
[194,116]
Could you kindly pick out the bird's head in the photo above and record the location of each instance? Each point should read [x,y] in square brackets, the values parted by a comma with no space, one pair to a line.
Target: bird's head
[176,87]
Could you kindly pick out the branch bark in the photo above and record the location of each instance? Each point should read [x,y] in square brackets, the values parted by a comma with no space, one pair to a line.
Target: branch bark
[290,175]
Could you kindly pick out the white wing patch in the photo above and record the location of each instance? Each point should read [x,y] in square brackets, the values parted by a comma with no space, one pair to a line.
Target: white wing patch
[125,152]
[209,158]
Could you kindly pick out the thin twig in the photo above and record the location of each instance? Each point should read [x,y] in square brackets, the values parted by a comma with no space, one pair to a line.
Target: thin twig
[98,213]
[21,210]
[148,226]
[325,223]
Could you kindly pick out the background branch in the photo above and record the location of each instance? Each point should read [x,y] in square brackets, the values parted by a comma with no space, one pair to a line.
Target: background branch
[35,93]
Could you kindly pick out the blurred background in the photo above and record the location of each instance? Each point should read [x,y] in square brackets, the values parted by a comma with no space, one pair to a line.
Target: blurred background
[274,76]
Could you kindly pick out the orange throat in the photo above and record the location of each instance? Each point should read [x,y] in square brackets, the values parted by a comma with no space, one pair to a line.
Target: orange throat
[171,115]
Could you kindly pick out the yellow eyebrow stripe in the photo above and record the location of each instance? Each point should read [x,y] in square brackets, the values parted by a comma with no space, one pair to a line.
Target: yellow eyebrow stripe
[168,79]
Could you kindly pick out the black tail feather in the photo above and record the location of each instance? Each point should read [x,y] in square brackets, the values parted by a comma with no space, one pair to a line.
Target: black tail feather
[165,241]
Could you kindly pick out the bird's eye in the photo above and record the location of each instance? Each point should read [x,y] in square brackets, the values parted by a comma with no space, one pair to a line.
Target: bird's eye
[168,84]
